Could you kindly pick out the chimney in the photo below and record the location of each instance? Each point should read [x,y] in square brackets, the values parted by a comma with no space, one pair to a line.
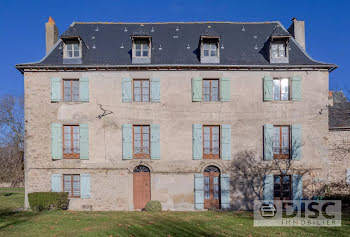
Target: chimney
[297,30]
[51,34]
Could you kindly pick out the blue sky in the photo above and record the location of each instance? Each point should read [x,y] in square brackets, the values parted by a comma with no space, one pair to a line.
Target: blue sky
[22,37]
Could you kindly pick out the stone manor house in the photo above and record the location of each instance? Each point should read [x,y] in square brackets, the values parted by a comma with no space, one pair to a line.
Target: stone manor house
[117,114]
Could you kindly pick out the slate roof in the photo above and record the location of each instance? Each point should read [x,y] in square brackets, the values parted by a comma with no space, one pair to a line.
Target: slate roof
[241,44]
[339,113]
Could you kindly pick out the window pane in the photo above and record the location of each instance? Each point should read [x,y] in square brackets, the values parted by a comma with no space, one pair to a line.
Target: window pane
[276,89]
[206,188]
[281,50]
[138,53]
[138,46]
[67,90]
[206,144]
[76,54]
[274,51]
[75,89]
[205,46]
[276,140]
[215,140]
[137,139]
[215,90]
[76,139]
[206,90]
[69,54]
[67,139]
[76,47]
[145,90]
[76,185]
[69,47]
[285,140]
[206,53]
[284,89]
[216,187]
[67,184]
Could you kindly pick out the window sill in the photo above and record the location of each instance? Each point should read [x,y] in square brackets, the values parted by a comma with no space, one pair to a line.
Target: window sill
[280,101]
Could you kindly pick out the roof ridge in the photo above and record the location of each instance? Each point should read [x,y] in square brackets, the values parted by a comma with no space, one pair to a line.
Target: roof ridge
[178,22]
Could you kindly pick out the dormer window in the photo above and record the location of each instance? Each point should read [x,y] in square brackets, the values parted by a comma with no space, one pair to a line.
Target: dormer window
[72,50]
[210,49]
[141,49]
[279,49]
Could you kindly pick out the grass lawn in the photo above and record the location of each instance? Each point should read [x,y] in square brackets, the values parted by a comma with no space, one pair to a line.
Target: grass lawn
[206,223]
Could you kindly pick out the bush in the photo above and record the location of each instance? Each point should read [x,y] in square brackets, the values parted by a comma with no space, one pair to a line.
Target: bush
[153,206]
[345,198]
[41,201]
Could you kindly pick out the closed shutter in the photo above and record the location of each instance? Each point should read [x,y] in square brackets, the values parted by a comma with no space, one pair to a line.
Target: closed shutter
[84,89]
[126,90]
[268,88]
[225,191]
[84,141]
[198,192]
[85,186]
[225,89]
[268,188]
[55,89]
[56,141]
[197,142]
[296,88]
[348,175]
[197,89]
[155,90]
[297,187]
[56,183]
[155,142]
[296,142]
[268,142]
[226,141]
[127,141]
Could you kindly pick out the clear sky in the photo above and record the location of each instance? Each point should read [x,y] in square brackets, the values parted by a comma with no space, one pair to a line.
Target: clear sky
[22,26]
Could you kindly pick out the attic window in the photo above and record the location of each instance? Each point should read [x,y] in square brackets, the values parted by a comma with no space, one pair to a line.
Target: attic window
[72,50]
[279,50]
[141,49]
[210,52]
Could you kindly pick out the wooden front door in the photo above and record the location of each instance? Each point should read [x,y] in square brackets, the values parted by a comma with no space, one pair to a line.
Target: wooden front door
[211,190]
[142,188]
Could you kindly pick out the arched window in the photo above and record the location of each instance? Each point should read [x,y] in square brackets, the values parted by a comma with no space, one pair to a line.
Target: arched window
[212,169]
[141,168]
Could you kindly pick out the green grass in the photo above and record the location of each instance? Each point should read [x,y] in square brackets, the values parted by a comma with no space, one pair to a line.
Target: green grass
[206,223]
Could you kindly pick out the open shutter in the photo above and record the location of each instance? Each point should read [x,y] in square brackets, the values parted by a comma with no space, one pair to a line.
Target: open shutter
[127,141]
[268,142]
[197,142]
[56,141]
[85,186]
[268,88]
[196,89]
[126,90]
[296,142]
[225,191]
[155,142]
[268,188]
[296,88]
[198,192]
[155,90]
[348,175]
[84,89]
[56,183]
[297,187]
[55,89]
[225,89]
[226,141]
[84,141]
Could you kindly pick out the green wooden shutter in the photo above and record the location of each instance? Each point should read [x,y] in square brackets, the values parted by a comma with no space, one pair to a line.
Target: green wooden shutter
[198,192]
[155,142]
[225,191]
[268,188]
[127,141]
[197,142]
[296,88]
[84,141]
[85,186]
[155,90]
[55,89]
[56,183]
[84,89]
[196,89]
[226,142]
[268,88]
[225,89]
[126,90]
[56,141]
[268,142]
[296,142]
[297,187]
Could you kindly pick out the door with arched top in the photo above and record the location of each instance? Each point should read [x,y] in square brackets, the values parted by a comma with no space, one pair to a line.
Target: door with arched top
[142,186]
[212,187]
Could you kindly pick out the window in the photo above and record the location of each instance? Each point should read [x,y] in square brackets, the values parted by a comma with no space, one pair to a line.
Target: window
[210,90]
[210,49]
[71,90]
[278,50]
[281,89]
[141,141]
[72,50]
[282,187]
[71,141]
[142,48]
[211,142]
[141,90]
[71,184]
[281,142]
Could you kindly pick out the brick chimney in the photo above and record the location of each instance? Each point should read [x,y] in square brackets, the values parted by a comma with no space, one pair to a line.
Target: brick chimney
[297,30]
[51,34]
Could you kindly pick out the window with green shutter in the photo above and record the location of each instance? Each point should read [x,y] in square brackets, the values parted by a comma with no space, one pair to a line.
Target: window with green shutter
[197,89]
[55,89]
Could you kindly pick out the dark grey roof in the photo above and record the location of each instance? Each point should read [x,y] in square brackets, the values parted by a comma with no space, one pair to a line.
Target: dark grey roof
[177,44]
[339,113]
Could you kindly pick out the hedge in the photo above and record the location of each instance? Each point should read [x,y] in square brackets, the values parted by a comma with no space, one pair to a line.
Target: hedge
[41,201]
[153,206]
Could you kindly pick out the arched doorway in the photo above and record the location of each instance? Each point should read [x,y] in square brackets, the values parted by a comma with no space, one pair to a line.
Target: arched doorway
[212,187]
[142,186]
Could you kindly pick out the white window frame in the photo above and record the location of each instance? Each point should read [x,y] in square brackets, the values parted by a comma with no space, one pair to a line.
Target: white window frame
[278,50]
[273,88]
[142,42]
[65,49]
[210,49]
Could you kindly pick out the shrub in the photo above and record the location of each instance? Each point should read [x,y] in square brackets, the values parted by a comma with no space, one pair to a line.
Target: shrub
[41,201]
[345,198]
[153,206]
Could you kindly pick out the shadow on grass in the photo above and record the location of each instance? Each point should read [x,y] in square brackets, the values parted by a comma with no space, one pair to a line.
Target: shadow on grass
[9,217]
